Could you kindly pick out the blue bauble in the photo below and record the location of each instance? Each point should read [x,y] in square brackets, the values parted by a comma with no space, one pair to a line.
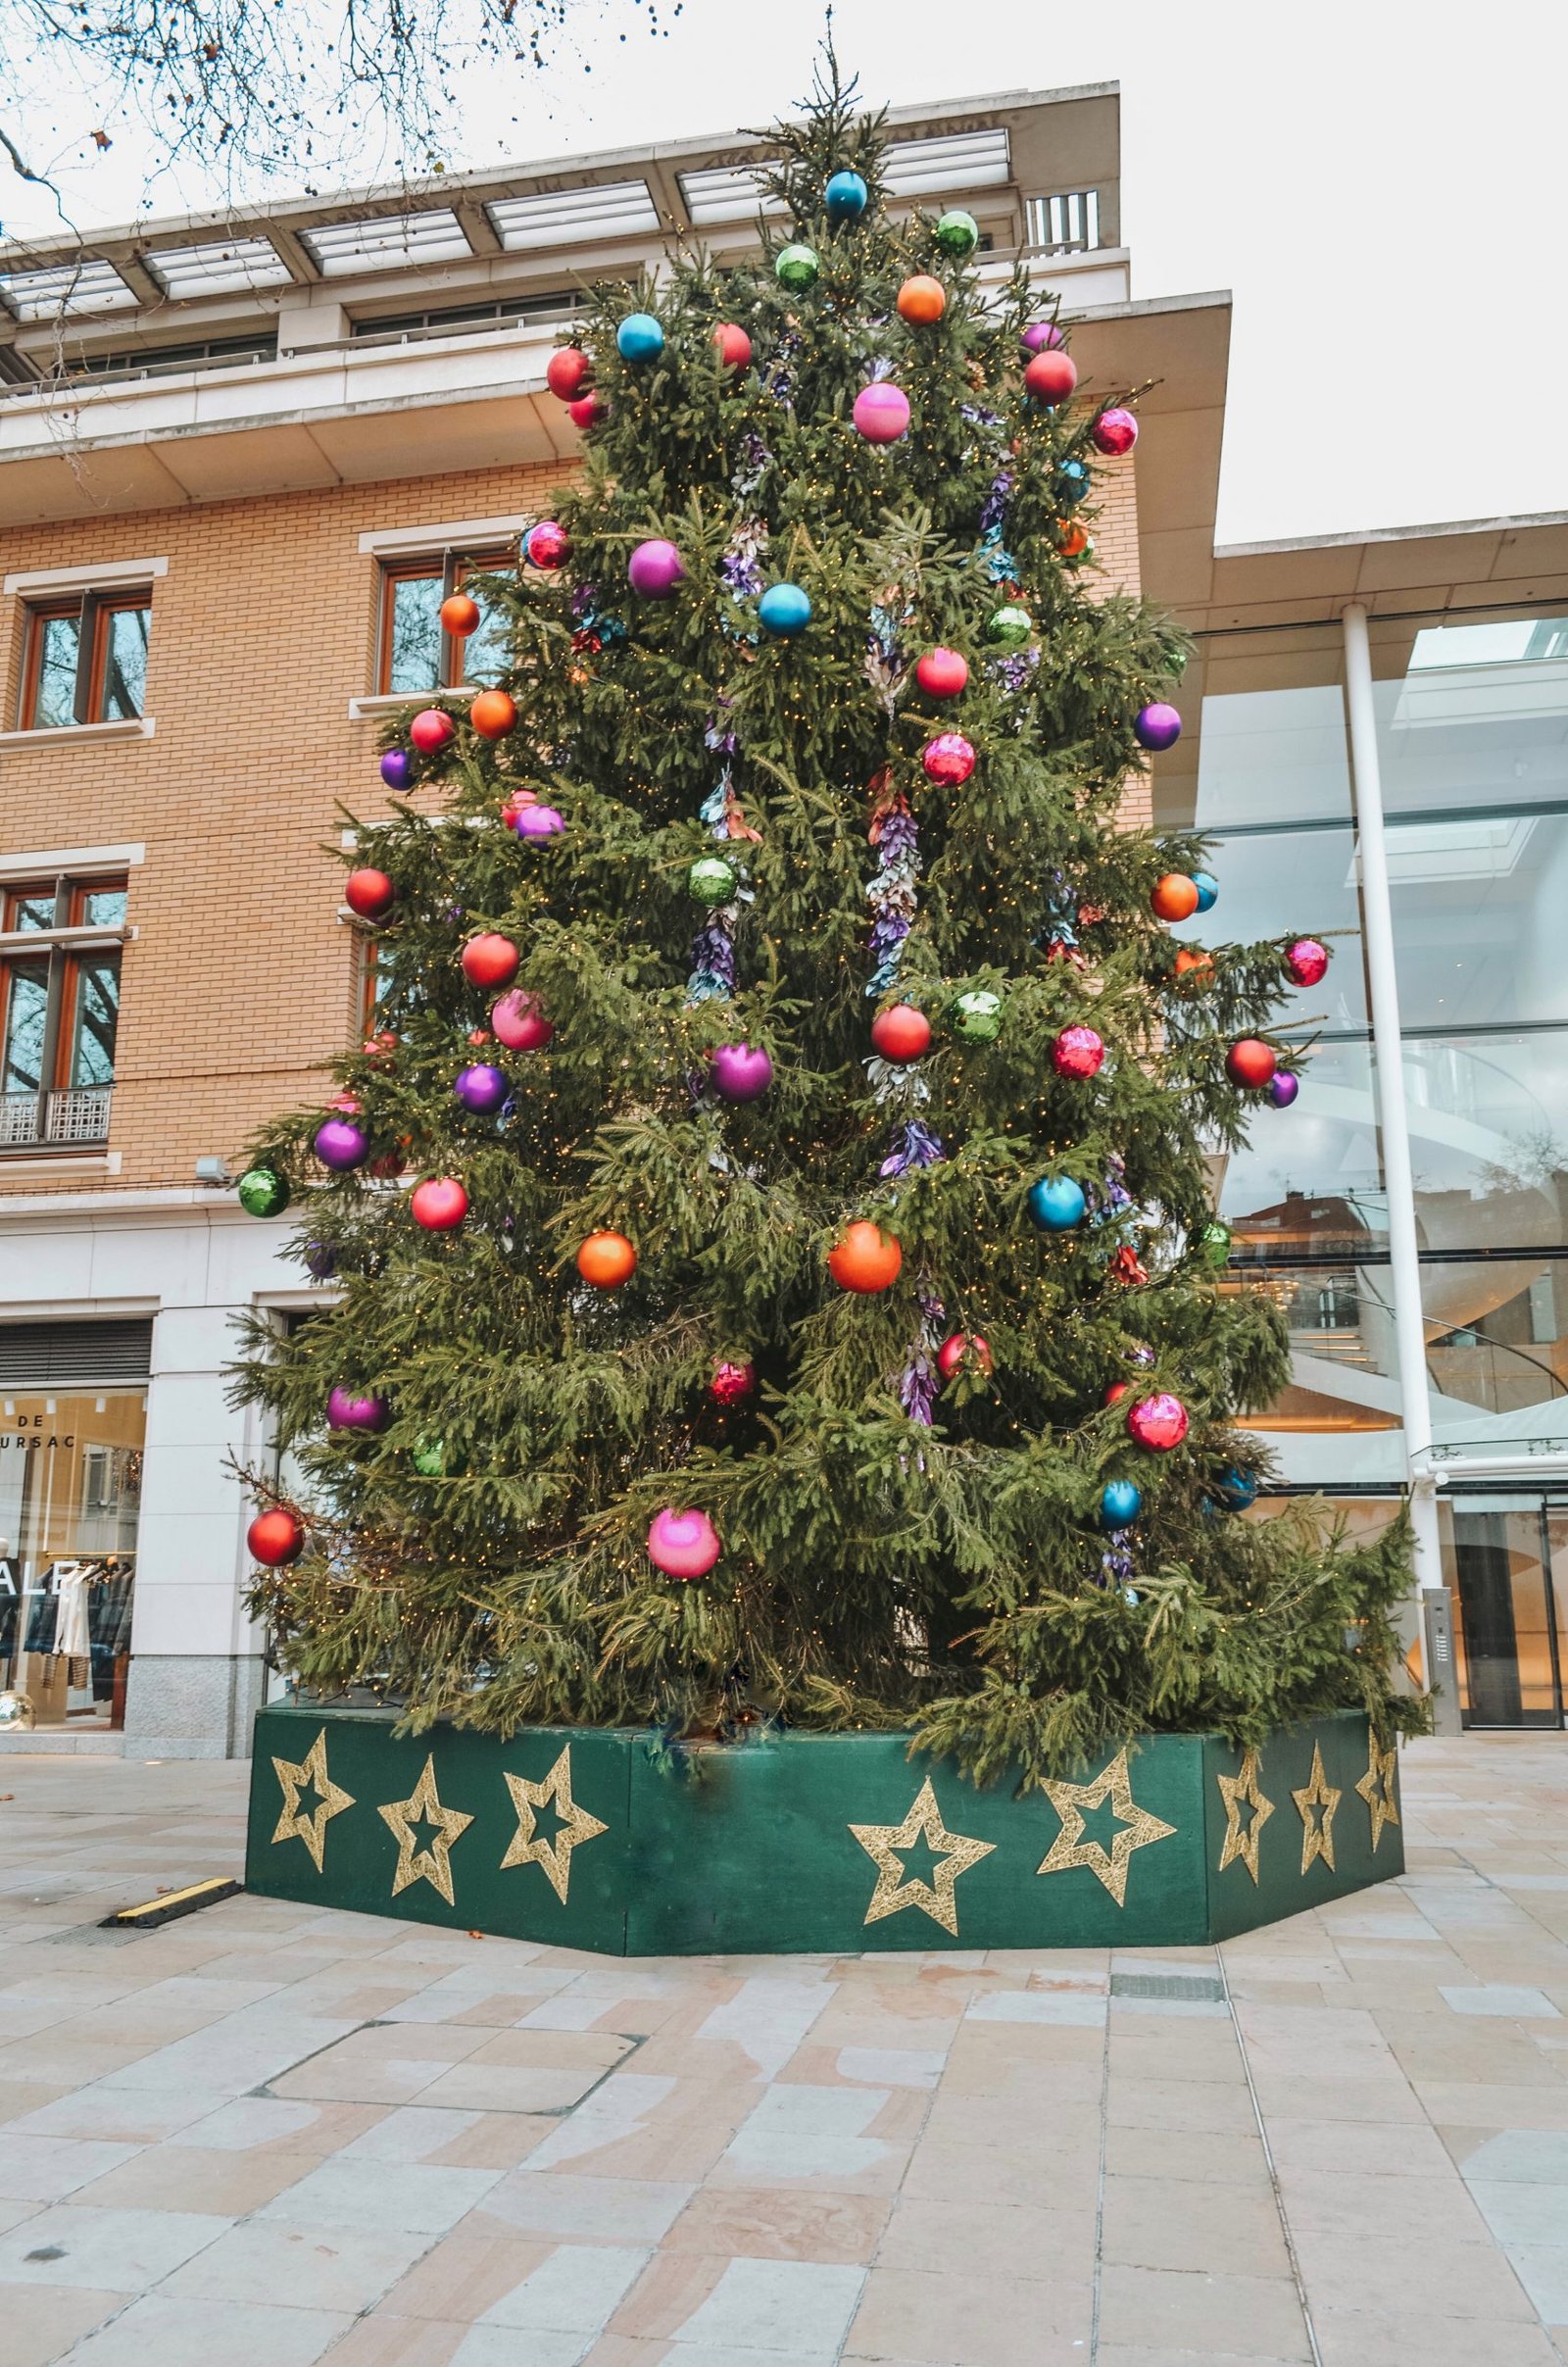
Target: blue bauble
[640,339]
[1236,1490]
[1207,887]
[784,610]
[845,197]
[1073,483]
[1056,1204]
[1120,1504]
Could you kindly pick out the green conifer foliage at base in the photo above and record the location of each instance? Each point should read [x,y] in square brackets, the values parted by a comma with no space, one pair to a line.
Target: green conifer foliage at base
[899,1545]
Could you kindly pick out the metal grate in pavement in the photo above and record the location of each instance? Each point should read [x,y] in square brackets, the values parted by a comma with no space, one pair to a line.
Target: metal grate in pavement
[1198,1988]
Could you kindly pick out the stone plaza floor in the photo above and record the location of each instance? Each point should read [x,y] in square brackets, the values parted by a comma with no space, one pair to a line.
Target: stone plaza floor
[265,2135]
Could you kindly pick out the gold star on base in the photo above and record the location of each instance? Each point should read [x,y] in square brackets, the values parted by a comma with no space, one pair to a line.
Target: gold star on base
[577,1824]
[893,1890]
[1237,1792]
[1317,1832]
[423,1808]
[1379,1789]
[1138,1827]
[332,1800]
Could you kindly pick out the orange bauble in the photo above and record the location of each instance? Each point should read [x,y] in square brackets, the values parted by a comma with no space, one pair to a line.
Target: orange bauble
[492,713]
[1072,540]
[1194,966]
[606,1261]
[923,299]
[865,1260]
[1174,898]
[460,615]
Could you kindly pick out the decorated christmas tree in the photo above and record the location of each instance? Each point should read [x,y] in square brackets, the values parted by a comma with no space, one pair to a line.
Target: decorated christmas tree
[773,1268]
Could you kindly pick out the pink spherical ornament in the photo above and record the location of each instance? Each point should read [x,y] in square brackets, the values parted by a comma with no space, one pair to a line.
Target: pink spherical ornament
[547,545]
[1115,431]
[654,568]
[540,821]
[519,1023]
[1305,962]
[732,1382]
[587,410]
[1050,378]
[741,1074]
[1077,1052]
[683,1545]
[346,1412]
[949,760]
[882,413]
[439,1204]
[942,673]
[431,729]
[953,1352]
[1158,1423]
[734,346]
[1042,337]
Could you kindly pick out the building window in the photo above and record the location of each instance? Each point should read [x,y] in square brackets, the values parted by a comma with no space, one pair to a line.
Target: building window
[59,1013]
[451,320]
[1065,225]
[417,656]
[85,660]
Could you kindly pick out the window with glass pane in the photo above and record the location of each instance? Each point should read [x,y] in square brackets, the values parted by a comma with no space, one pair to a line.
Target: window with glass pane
[1489,1139]
[1478,903]
[411,656]
[59,1016]
[1264,737]
[1473,715]
[59,649]
[1496,1342]
[417,656]
[94,1018]
[1309,1180]
[124,633]
[86,661]
[26,1010]
[1278,883]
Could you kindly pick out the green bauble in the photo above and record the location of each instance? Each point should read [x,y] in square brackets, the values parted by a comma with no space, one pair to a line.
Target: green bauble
[957,235]
[430,1458]
[710,879]
[1011,625]
[262,1192]
[796,266]
[1215,1241]
[978,1016]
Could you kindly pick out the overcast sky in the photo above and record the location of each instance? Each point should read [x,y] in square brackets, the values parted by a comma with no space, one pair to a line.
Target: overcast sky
[1380,183]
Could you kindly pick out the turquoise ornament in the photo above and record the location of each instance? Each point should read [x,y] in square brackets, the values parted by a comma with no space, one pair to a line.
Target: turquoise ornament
[784,611]
[1056,1204]
[845,197]
[639,338]
[1236,1489]
[1073,483]
[1120,1504]
[1207,887]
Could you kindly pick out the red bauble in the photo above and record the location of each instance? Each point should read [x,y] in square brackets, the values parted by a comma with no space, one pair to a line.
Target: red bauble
[547,545]
[275,1538]
[606,1261]
[942,673]
[1115,431]
[1078,1053]
[1050,378]
[1158,1422]
[492,713]
[588,411]
[865,1259]
[732,1382]
[439,1204]
[901,1033]
[431,729]
[570,372]
[1305,962]
[1173,898]
[951,1353]
[1117,1391]
[949,760]
[1250,1062]
[371,894]
[734,345]
[490,959]
[460,615]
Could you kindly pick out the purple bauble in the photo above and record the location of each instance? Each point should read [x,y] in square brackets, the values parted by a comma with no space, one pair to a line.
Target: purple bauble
[320,1261]
[539,821]
[1283,1088]
[741,1074]
[397,768]
[481,1088]
[1042,337]
[345,1411]
[1156,726]
[654,568]
[340,1144]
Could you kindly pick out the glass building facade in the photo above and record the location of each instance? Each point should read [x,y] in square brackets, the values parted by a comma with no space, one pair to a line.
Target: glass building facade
[1472,734]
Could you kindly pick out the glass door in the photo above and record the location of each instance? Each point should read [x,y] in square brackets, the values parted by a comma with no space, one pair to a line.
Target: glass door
[1502,1550]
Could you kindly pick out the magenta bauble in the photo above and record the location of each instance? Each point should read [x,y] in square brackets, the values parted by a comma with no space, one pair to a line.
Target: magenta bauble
[346,1412]
[431,729]
[1283,1087]
[341,1145]
[1114,432]
[1050,378]
[654,568]
[1250,1062]
[942,673]
[547,545]
[539,821]
[683,1545]
[882,413]
[1042,337]
[587,410]
[439,1204]
[1078,1052]
[1158,1422]
[1305,962]
[949,760]
[732,1382]
[741,1073]
[519,1023]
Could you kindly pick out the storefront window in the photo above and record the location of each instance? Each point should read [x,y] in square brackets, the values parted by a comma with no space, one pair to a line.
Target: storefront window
[69,1495]
[1489,1139]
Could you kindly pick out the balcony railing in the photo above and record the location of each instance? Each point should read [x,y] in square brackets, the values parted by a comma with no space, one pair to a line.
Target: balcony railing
[78,1117]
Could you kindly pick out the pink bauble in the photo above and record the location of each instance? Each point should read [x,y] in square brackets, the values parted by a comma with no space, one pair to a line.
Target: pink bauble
[430,731]
[683,1545]
[949,760]
[1077,1052]
[1115,431]
[547,545]
[1042,336]
[346,1412]
[1306,960]
[739,1073]
[1158,1422]
[539,821]
[519,1023]
[732,1382]
[587,410]
[1050,378]
[654,568]
[882,413]
[439,1204]
[942,673]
